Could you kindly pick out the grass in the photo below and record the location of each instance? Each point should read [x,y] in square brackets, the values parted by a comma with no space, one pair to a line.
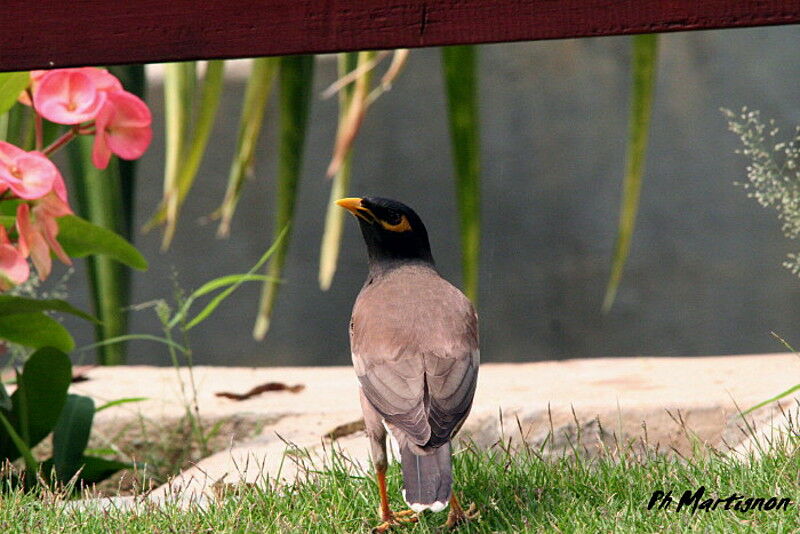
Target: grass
[515,491]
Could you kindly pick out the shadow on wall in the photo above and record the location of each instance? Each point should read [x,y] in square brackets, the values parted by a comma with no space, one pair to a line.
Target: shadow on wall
[704,275]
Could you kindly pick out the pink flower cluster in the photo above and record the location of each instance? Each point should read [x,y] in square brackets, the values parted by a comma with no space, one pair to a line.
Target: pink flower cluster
[76,96]
[92,101]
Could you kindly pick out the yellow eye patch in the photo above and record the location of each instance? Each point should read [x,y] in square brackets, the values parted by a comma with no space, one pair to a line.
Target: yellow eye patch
[402,226]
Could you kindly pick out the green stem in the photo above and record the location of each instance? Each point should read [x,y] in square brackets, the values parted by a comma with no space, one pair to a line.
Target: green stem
[460,74]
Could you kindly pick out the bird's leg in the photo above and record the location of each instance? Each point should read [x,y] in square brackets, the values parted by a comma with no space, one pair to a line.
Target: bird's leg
[458,515]
[389,519]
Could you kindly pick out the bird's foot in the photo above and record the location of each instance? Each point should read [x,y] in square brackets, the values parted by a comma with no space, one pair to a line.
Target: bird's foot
[458,516]
[396,519]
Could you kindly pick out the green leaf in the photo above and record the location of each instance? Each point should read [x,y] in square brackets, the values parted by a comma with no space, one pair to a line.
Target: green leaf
[71,435]
[217,300]
[21,449]
[81,238]
[296,81]
[5,400]
[11,85]
[259,87]
[35,330]
[41,392]
[179,81]
[645,59]
[10,305]
[340,185]
[119,402]
[98,469]
[460,76]
[134,337]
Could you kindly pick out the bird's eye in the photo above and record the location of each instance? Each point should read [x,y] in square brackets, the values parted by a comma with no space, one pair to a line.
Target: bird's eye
[392,217]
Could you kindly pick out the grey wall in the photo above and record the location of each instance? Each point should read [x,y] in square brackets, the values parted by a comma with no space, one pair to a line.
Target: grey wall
[704,276]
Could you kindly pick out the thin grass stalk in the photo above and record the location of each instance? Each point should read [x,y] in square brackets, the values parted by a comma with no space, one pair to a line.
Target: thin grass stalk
[259,87]
[461,85]
[340,183]
[296,80]
[195,150]
[98,198]
[178,104]
[645,59]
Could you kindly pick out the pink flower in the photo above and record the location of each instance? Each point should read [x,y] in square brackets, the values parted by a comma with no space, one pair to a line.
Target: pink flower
[122,127]
[14,268]
[30,175]
[69,96]
[38,231]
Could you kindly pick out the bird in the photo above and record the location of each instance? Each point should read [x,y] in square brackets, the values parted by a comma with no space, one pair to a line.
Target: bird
[415,350]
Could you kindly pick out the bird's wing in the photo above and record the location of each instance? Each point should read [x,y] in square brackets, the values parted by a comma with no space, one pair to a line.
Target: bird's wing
[417,363]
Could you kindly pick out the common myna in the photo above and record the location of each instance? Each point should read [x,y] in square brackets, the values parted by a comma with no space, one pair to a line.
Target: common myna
[414,343]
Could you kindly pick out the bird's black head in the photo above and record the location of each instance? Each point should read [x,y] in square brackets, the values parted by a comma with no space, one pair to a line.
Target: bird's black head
[394,233]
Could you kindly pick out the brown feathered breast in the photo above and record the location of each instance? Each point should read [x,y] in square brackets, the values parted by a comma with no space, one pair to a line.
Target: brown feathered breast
[414,341]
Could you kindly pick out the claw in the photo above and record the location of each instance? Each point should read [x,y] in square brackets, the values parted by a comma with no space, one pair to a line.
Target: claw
[458,516]
[397,519]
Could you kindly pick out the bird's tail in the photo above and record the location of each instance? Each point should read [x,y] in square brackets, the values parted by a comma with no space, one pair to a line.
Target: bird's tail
[427,480]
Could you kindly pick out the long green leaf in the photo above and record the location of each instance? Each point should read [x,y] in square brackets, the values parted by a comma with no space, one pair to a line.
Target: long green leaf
[11,85]
[196,149]
[217,300]
[98,195]
[10,305]
[461,85]
[98,469]
[256,96]
[35,330]
[296,79]
[134,80]
[179,79]
[71,435]
[20,445]
[645,59]
[81,238]
[340,185]
[41,393]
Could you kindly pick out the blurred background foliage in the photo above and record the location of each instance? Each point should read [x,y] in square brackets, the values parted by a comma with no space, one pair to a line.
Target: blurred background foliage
[278,103]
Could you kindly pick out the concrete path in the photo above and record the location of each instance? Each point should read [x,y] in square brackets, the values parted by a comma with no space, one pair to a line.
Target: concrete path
[552,404]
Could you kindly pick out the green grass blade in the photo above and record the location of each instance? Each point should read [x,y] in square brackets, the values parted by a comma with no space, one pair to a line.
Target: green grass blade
[133,337]
[178,103]
[296,80]
[209,104]
[98,198]
[118,402]
[645,59]
[340,184]
[216,301]
[461,84]
[259,87]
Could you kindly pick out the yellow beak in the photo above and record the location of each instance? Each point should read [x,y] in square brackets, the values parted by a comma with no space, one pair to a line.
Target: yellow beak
[352,204]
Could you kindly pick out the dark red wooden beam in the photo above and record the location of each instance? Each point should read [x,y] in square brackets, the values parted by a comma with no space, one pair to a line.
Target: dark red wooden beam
[59,33]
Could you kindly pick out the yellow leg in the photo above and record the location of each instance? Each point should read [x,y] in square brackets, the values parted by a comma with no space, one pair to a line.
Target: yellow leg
[458,515]
[390,519]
